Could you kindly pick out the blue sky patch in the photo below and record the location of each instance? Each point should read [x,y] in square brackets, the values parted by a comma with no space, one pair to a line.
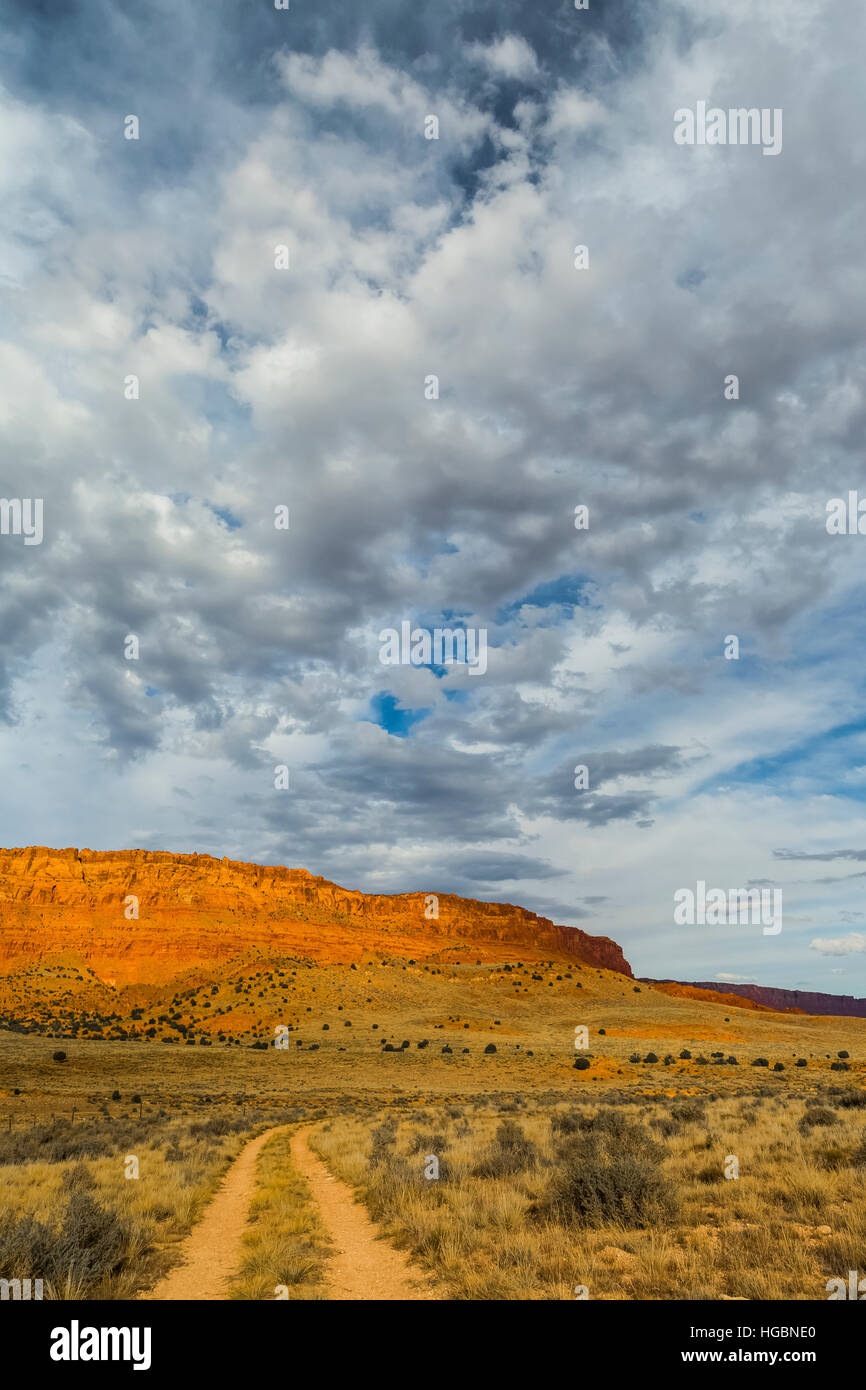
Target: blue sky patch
[390,717]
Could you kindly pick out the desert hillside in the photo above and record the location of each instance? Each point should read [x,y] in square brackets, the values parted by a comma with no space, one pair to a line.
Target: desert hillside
[196,910]
[784,1000]
[364,990]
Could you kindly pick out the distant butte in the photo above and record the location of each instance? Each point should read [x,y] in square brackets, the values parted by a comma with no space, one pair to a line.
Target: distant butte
[195,910]
[784,1000]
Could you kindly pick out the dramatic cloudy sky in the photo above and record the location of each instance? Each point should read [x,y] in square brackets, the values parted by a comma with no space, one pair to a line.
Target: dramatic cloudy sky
[558,387]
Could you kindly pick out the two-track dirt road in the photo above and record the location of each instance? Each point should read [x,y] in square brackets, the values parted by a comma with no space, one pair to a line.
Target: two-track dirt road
[363,1266]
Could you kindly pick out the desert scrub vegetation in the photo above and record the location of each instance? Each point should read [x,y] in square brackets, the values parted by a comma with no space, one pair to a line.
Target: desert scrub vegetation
[71,1216]
[630,1200]
[607,1172]
[285,1247]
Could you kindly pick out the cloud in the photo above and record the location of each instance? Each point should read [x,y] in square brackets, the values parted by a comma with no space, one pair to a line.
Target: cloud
[305,388]
[852,944]
[510,56]
[857,856]
[572,113]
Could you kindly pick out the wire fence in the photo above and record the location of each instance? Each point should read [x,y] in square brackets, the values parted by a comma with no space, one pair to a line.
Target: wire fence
[24,1121]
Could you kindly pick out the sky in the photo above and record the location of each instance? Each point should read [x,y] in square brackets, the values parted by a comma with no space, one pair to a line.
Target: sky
[306,386]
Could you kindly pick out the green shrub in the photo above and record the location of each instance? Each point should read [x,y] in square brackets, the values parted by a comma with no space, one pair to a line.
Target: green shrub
[77,1179]
[511,1152]
[428,1143]
[818,1115]
[605,1175]
[665,1127]
[384,1137]
[689,1112]
[91,1243]
[565,1124]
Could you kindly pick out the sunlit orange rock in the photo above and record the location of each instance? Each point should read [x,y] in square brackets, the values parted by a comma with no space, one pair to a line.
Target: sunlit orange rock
[193,909]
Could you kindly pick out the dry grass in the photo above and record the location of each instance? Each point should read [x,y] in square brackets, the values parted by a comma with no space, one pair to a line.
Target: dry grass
[285,1245]
[89,1231]
[348,1026]
[501,1237]
[492,1226]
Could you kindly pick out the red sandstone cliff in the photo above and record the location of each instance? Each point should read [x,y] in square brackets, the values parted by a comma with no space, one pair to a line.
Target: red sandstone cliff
[795,1000]
[193,909]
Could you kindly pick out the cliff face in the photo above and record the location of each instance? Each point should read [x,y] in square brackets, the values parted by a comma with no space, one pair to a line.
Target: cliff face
[193,909]
[806,1001]
[710,996]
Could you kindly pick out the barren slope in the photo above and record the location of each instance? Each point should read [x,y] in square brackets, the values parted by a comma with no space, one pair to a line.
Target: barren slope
[192,909]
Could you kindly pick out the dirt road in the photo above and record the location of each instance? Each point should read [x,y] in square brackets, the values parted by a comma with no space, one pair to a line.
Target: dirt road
[363,1265]
[214,1248]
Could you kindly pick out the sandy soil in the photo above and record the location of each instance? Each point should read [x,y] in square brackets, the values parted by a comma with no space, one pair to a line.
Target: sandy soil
[213,1249]
[363,1266]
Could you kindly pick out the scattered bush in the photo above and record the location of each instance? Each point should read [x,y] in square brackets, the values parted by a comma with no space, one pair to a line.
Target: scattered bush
[511,1152]
[711,1173]
[428,1143]
[603,1121]
[608,1174]
[689,1112]
[91,1243]
[217,1127]
[665,1127]
[383,1138]
[63,1142]
[77,1179]
[818,1115]
[565,1124]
